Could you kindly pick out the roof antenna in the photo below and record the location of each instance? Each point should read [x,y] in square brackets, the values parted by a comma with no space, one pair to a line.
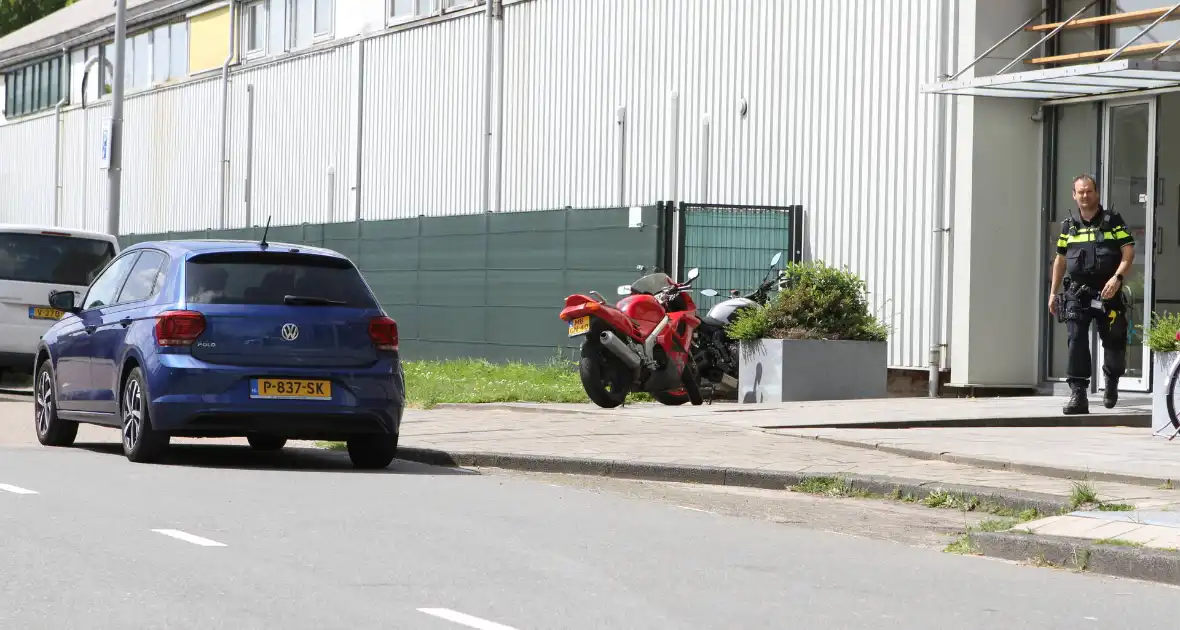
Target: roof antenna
[266,229]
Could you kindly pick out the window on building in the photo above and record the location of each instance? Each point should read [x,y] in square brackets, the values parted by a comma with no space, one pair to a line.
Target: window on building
[141,70]
[160,54]
[323,18]
[409,9]
[152,57]
[254,21]
[402,10]
[35,87]
[178,51]
[313,20]
[276,22]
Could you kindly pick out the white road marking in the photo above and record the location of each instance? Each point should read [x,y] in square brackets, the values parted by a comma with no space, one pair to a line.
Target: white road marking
[16,489]
[685,507]
[186,537]
[464,620]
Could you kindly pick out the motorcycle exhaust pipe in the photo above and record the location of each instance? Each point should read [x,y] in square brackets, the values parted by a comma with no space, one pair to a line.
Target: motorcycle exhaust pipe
[619,349]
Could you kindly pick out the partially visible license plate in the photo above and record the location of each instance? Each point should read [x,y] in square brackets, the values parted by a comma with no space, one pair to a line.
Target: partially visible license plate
[580,326]
[44,312]
[291,388]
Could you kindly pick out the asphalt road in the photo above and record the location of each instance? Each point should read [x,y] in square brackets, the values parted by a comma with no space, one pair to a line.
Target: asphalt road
[298,540]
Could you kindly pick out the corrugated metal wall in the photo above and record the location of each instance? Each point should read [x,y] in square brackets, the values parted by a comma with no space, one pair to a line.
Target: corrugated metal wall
[170,159]
[302,127]
[811,102]
[26,171]
[423,120]
[833,121]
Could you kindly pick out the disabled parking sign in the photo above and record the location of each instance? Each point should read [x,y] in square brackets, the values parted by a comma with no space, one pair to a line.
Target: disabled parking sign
[104,156]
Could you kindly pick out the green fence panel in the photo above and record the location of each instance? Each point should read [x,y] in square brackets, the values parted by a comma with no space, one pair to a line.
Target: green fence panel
[732,245]
[484,285]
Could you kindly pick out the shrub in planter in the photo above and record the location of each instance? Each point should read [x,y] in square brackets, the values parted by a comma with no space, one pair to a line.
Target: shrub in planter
[1160,336]
[815,340]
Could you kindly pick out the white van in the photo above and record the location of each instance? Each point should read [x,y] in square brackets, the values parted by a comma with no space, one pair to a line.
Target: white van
[33,262]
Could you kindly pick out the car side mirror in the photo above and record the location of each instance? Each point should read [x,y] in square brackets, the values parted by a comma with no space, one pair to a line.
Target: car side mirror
[63,300]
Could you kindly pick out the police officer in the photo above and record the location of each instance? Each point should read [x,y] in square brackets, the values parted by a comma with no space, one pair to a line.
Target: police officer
[1094,255]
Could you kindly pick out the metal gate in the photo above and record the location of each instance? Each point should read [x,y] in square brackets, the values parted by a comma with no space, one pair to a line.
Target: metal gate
[732,245]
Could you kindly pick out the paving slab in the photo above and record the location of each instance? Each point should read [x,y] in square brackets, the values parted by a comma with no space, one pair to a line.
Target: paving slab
[1122,454]
[1134,411]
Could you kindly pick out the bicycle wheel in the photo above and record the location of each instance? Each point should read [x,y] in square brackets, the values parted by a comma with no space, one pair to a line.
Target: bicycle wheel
[1170,394]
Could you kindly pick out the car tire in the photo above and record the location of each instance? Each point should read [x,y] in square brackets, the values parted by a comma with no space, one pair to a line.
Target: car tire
[51,430]
[142,444]
[372,451]
[266,442]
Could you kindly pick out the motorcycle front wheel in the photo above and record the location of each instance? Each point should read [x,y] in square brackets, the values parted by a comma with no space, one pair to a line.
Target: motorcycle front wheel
[605,380]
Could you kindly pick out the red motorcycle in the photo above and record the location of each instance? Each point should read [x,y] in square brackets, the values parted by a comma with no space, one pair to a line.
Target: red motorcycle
[640,344]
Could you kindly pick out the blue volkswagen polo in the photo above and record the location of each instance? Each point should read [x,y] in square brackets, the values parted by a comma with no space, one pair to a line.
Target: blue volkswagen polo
[223,338]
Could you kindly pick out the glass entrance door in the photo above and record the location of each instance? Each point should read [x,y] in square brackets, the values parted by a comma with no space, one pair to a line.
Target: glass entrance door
[1129,187]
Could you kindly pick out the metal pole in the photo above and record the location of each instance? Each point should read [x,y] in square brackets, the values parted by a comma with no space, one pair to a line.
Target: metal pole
[997,45]
[499,133]
[1142,33]
[115,172]
[249,155]
[1054,32]
[621,164]
[65,63]
[706,142]
[223,175]
[486,175]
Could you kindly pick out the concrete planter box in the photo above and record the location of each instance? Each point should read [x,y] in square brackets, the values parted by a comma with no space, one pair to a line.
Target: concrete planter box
[784,370]
[1162,368]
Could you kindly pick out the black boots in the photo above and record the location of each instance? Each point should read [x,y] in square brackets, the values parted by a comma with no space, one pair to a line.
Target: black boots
[1078,403]
[1110,396]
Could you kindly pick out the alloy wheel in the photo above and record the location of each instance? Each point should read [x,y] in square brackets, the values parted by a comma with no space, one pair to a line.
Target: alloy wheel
[44,402]
[132,414]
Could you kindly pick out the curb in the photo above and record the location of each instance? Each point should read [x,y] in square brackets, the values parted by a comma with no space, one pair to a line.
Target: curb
[1039,470]
[1136,563]
[510,407]
[22,393]
[713,475]
[1132,420]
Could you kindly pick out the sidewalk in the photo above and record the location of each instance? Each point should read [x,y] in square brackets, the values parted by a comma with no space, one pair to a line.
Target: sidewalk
[706,443]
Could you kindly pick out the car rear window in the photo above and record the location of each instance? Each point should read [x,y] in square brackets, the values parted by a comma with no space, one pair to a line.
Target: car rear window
[52,259]
[270,278]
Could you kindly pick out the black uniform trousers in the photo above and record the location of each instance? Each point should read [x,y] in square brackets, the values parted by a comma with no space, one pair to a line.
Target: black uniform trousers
[1112,330]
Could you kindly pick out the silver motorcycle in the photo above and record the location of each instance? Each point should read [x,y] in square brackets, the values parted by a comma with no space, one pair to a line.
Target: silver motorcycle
[715,352]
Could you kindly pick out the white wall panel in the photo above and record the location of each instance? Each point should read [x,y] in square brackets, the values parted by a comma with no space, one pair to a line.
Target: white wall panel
[834,121]
[423,120]
[26,171]
[302,125]
[81,173]
[171,155]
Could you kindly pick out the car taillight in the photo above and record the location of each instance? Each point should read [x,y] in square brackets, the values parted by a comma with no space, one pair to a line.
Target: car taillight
[383,332]
[179,328]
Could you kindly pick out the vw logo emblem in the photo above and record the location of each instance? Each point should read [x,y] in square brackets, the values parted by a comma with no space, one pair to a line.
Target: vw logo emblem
[290,332]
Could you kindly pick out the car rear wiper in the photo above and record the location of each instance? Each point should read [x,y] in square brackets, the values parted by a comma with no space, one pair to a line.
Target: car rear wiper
[307,300]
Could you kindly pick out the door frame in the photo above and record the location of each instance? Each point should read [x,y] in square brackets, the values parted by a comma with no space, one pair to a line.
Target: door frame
[1143,383]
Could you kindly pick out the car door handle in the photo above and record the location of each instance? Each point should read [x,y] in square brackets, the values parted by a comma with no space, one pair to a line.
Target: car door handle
[125,322]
